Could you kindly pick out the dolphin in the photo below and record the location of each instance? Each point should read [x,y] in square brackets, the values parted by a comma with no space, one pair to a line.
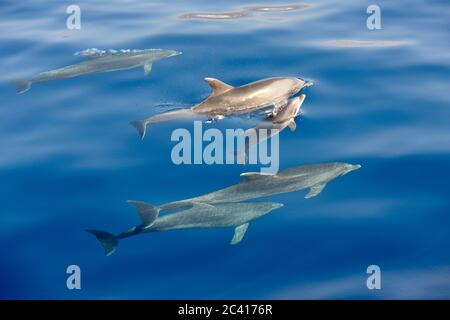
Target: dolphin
[274,124]
[99,61]
[256,185]
[200,215]
[226,100]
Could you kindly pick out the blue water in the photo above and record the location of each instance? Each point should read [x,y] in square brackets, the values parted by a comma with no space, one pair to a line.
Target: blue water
[69,160]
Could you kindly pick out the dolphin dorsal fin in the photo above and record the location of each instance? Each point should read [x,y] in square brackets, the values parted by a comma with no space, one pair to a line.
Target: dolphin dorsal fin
[248,176]
[217,86]
[146,212]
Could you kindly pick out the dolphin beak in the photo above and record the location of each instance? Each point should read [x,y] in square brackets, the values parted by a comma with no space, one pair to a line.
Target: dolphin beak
[355,167]
[176,53]
[277,205]
[308,83]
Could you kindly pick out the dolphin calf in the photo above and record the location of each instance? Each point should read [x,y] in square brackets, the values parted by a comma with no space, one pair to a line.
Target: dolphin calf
[200,215]
[226,100]
[274,124]
[99,61]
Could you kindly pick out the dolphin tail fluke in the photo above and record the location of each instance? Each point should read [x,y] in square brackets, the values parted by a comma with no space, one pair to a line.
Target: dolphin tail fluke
[108,241]
[146,212]
[21,85]
[141,127]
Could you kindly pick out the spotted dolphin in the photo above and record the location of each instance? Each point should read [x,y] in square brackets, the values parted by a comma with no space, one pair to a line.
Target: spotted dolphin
[226,100]
[200,215]
[255,185]
[99,61]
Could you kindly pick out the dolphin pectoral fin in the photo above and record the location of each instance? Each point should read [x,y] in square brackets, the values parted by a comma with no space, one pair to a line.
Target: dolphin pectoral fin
[315,190]
[108,241]
[292,125]
[248,176]
[239,233]
[217,86]
[147,68]
[146,212]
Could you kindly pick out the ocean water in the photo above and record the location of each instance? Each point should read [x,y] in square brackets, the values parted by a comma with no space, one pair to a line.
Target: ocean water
[70,160]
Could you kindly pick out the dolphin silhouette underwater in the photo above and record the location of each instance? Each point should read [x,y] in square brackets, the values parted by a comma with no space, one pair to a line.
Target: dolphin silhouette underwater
[236,215]
[226,100]
[99,61]
[254,185]
[274,124]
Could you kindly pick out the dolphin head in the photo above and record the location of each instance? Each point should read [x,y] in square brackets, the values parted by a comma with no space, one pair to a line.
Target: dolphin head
[172,53]
[263,208]
[275,205]
[347,167]
[161,54]
[291,110]
[301,83]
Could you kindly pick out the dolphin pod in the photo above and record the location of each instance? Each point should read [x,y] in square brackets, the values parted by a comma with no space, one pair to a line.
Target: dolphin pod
[99,61]
[224,207]
[226,100]
[200,215]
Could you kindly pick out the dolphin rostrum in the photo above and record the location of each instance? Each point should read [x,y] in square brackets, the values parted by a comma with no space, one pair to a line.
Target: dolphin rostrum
[274,124]
[200,215]
[226,100]
[99,61]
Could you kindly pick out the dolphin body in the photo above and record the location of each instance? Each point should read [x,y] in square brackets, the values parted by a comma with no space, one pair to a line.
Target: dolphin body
[274,124]
[226,100]
[256,185]
[99,61]
[200,215]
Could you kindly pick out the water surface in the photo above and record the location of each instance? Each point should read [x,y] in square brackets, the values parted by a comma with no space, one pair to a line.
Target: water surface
[70,160]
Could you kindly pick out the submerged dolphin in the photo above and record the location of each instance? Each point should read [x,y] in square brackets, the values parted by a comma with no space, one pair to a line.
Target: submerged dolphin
[237,215]
[274,124]
[256,185]
[226,100]
[100,61]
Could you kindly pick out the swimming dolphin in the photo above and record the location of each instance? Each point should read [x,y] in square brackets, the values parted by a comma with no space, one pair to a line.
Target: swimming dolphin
[256,185]
[100,61]
[274,124]
[236,215]
[226,100]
